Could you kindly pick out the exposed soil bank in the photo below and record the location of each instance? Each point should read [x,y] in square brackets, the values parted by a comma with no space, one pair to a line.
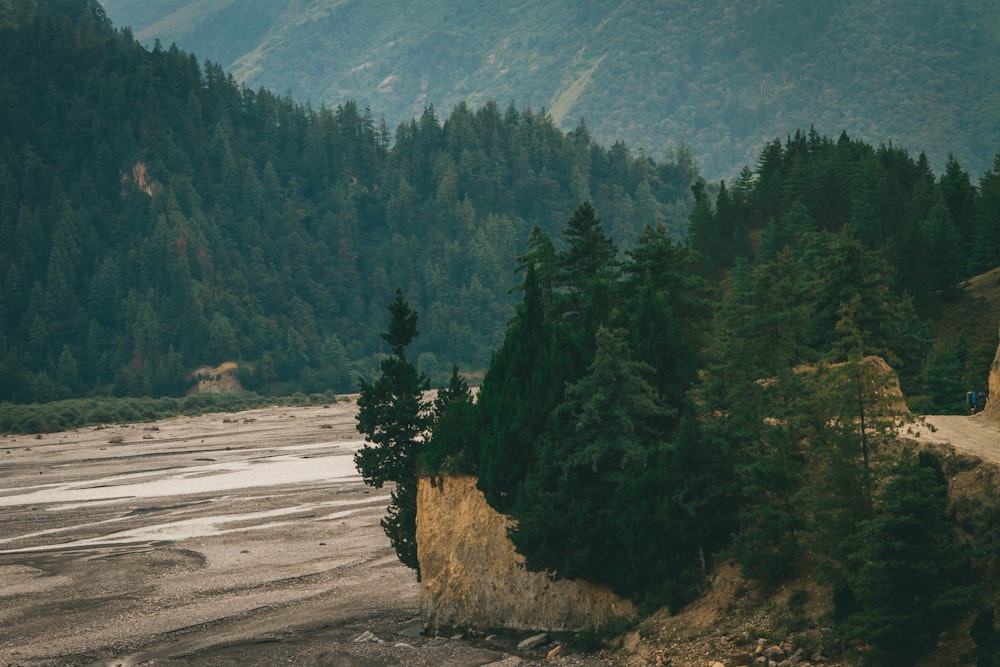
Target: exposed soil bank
[473,577]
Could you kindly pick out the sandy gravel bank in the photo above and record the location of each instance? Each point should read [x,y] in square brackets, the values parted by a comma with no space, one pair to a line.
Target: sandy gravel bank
[227,539]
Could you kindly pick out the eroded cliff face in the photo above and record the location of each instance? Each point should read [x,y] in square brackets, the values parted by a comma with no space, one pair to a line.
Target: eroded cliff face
[992,409]
[473,578]
[223,379]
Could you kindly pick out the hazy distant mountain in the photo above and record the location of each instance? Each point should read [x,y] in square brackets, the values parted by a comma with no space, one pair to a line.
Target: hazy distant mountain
[723,76]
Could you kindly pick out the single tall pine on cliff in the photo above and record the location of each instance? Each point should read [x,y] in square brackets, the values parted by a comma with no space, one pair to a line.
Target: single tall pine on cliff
[395,419]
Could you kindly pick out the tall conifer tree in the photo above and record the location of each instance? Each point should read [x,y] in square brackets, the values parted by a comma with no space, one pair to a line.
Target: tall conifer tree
[395,419]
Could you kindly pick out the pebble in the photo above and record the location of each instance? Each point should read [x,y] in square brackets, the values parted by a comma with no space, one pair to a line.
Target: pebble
[532,642]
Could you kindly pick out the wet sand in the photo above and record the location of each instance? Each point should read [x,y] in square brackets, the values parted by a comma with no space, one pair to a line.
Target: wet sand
[243,539]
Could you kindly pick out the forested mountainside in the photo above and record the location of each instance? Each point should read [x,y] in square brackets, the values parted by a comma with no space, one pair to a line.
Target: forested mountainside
[725,77]
[156,216]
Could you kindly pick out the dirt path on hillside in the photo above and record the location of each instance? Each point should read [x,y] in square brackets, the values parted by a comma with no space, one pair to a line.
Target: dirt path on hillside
[975,434]
[242,539]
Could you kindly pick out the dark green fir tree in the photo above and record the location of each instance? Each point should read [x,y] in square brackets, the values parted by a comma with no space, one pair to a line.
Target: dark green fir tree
[395,419]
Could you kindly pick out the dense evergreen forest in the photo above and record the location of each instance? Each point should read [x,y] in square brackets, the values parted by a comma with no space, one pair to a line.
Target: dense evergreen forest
[730,397]
[156,217]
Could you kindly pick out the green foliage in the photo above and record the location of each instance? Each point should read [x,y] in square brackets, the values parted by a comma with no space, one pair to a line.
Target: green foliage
[855,221]
[156,216]
[402,325]
[908,576]
[791,384]
[578,436]
[452,449]
[619,418]
[641,408]
[63,415]
[612,415]
[395,419]
[522,388]
[987,639]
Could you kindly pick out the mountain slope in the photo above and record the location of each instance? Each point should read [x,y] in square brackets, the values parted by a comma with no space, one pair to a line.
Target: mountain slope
[724,78]
[156,217]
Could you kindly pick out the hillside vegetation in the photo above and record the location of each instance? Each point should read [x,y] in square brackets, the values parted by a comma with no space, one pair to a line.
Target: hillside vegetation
[677,408]
[155,217]
[724,77]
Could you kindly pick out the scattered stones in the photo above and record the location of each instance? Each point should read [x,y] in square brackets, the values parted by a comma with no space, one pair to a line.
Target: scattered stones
[774,653]
[116,439]
[532,642]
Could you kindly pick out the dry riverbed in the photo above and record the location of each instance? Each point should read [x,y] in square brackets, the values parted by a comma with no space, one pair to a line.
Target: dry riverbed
[228,539]
[237,539]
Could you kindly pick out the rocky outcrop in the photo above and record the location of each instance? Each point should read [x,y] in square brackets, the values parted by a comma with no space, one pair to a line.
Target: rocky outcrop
[223,379]
[471,576]
[139,175]
[992,409]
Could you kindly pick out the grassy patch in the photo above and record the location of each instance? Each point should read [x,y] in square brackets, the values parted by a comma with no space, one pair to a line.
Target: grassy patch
[77,412]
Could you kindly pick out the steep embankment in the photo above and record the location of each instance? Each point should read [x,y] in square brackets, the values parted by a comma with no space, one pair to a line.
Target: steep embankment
[471,576]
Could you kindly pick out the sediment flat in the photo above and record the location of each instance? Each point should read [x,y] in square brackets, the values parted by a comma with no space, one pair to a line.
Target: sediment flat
[224,539]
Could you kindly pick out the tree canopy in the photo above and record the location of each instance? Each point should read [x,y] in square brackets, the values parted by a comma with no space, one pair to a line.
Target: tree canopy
[155,217]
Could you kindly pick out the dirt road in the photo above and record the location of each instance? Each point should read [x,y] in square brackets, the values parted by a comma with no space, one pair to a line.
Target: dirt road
[975,434]
[219,540]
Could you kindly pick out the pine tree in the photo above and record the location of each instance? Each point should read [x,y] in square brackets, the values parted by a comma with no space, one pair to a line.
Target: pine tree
[589,264]
[986,222]
[853,409]
[521,389]
[752,393]
[395,419]
[960,196]
[910,578]
[454,444]
[613,413]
